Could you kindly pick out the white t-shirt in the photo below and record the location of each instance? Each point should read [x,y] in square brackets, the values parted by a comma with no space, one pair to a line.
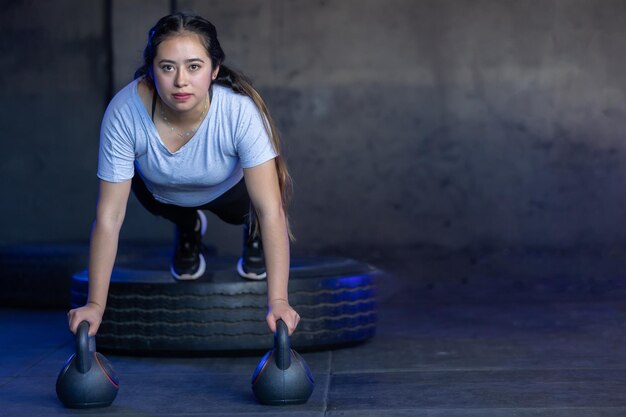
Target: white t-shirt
[231,137]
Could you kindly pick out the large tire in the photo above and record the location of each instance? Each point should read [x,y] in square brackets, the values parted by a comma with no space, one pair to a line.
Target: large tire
[148,311]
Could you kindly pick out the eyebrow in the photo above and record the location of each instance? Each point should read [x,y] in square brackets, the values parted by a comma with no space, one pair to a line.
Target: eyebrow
[187,61]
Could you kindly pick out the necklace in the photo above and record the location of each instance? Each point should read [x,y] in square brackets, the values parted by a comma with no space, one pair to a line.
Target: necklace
[186,133]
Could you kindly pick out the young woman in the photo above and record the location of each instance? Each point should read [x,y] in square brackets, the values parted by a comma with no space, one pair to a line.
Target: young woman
[187,135]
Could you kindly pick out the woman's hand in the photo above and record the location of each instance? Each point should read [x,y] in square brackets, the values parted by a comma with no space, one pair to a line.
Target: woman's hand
[90,312]
[280,309]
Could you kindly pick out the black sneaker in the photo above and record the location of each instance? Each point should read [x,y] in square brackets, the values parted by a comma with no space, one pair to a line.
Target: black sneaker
[188,261]
[251,265]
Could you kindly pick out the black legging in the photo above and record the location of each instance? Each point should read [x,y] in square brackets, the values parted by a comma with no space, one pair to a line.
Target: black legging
[233,206]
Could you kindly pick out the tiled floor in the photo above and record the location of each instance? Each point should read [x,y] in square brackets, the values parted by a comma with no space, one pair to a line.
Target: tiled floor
[471,349]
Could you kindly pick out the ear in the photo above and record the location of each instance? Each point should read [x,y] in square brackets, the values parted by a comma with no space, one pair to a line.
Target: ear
[214,73]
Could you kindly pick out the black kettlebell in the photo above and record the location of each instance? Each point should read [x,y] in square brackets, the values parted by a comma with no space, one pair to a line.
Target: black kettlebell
[87,379]
[282,377]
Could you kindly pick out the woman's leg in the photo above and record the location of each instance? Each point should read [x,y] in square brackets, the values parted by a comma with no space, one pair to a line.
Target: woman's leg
[183,217]
[187,261]
[233,207]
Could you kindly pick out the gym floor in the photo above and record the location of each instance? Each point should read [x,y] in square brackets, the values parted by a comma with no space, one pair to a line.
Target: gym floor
[508,334]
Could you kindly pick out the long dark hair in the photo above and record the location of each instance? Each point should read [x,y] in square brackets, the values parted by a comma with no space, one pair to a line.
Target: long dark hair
[179,23]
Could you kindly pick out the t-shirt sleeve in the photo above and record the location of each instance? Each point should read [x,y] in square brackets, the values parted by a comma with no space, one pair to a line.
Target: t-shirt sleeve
[252,141]
[116,155]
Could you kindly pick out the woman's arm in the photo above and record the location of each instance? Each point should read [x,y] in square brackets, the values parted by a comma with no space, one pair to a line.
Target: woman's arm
[110,212]
[262,185]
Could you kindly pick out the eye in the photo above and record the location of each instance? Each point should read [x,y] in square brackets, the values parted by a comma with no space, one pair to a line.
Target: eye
[194,67]
[167,67]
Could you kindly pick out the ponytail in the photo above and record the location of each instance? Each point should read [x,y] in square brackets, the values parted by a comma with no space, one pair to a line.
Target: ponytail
[240,84]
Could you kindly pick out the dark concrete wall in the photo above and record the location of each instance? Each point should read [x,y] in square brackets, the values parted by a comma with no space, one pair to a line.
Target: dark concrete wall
[446,122]
[53,92]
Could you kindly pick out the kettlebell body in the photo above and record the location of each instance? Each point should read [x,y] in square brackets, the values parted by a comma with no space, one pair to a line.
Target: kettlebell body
[282,377]
[87,380]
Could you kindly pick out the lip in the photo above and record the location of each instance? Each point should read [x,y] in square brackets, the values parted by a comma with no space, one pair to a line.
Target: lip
[181,96]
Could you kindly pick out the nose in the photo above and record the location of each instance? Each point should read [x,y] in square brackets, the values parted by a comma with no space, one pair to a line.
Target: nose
[181,78]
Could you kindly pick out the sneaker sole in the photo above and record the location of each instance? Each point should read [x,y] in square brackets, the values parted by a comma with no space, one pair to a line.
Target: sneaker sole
[190,277]
[203,222]
[249,275]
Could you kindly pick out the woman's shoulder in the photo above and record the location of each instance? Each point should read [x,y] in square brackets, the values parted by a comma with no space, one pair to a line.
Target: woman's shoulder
[127,96]
[234,106]
[143,90]
[125,107]
[231,98]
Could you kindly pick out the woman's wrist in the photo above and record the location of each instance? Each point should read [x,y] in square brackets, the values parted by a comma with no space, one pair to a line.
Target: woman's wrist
[97,304]
[284,300]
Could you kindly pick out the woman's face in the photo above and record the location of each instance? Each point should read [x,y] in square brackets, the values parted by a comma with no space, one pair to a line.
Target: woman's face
[183,72]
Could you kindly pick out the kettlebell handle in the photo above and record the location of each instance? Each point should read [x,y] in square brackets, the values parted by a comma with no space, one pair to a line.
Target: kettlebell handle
[83,356]
[282,346]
